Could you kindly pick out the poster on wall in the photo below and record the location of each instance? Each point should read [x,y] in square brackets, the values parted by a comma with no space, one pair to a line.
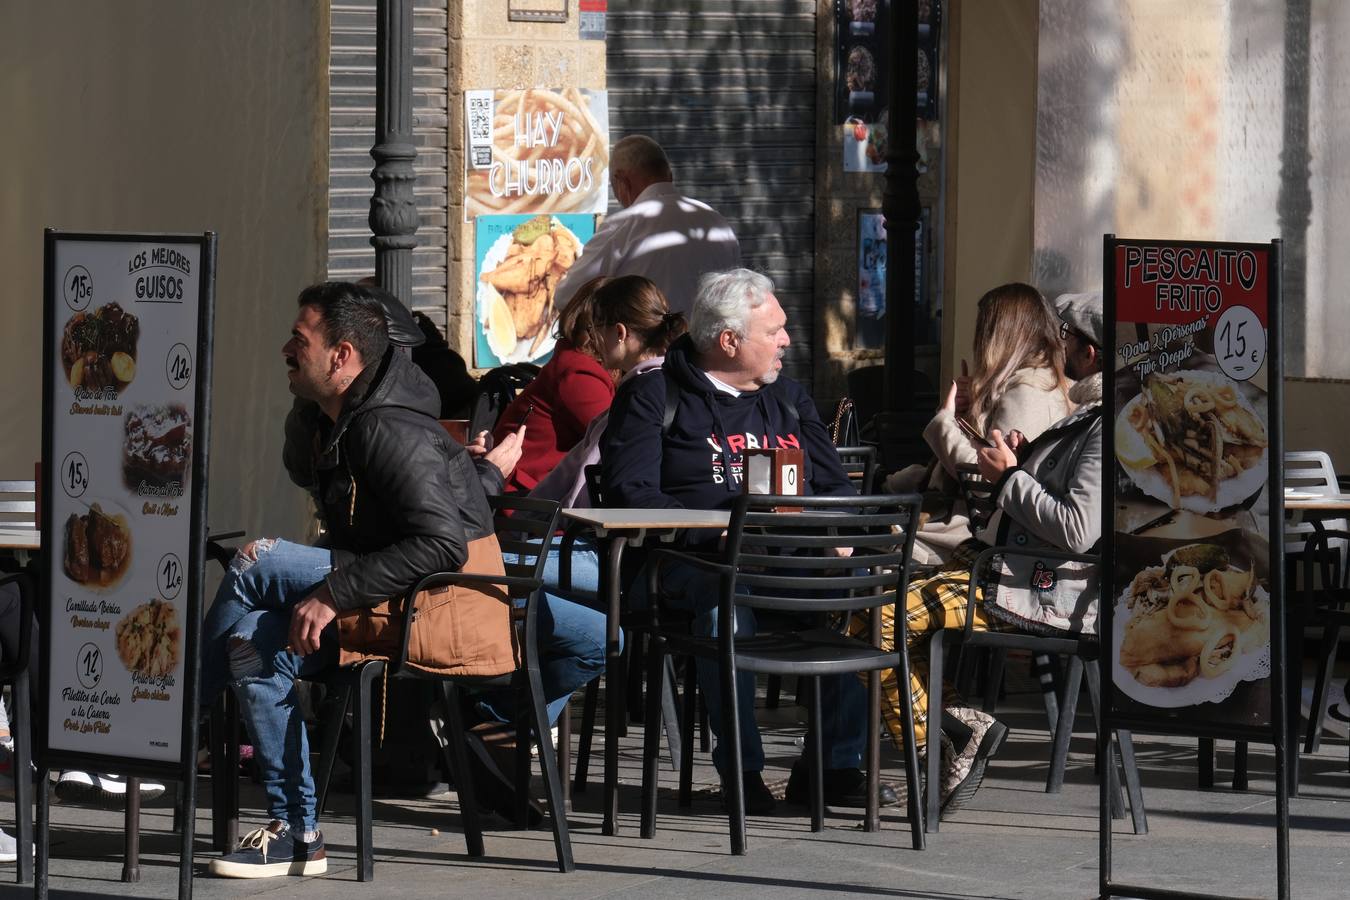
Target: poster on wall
[861,59]
[128,330]
[870,323]
[536,151]
[1193,588]
[518,262]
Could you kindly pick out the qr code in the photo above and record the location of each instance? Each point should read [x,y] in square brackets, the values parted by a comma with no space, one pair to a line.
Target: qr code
[480,120]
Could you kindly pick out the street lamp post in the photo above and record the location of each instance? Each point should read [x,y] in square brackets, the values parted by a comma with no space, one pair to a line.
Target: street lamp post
[393,209]
[900,203]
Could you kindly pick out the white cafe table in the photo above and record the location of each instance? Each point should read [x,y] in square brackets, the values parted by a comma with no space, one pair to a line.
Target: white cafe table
[615,530]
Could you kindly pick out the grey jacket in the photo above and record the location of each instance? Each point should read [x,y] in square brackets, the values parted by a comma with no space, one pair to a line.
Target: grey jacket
[1053,500]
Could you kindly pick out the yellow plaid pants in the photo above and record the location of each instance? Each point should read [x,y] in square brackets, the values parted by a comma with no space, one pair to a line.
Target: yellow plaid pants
[932,603]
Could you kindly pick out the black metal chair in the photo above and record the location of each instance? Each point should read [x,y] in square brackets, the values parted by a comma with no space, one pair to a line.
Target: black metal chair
[14,672]
[978,497]
[1081,652]
[524,527]
[1326,593]
[776,561]
[861,465]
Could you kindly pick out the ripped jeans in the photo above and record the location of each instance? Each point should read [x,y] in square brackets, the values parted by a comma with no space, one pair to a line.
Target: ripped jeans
[244,642]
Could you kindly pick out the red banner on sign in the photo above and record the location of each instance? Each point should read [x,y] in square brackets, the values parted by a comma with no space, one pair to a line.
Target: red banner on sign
[1173,284]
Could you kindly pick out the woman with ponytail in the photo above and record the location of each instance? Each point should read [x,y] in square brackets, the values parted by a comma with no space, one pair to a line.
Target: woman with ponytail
[631,329]
[628,327]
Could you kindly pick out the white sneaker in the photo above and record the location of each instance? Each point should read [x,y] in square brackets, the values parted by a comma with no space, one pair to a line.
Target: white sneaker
[9,848]
[82,787]
[74,786]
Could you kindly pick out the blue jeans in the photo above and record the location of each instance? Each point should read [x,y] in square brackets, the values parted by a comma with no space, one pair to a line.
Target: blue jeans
[843,700]
[244,642]
[571,637]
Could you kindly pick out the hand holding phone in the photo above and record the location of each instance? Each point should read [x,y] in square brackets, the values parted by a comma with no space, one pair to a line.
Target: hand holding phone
[973,433]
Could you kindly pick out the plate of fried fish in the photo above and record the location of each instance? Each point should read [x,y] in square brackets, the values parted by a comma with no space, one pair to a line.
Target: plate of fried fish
[1191,629]
[1193,440]
[521,271]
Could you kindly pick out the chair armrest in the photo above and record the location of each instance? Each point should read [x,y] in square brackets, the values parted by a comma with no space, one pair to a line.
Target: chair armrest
[1006,550]
[447,579]
[443,579]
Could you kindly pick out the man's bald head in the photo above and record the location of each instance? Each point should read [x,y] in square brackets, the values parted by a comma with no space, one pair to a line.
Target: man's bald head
[635,164]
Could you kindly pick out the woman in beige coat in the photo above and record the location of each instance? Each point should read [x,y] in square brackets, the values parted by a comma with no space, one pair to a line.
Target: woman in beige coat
[1018,384]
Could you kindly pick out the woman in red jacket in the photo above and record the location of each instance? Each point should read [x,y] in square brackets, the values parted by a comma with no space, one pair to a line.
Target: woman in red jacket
[571,389]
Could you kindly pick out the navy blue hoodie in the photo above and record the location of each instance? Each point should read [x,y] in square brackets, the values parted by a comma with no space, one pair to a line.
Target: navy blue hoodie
[698,464]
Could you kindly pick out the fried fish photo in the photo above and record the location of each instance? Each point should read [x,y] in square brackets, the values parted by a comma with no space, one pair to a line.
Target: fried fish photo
[1193,440]
[1200,618]
[515,296]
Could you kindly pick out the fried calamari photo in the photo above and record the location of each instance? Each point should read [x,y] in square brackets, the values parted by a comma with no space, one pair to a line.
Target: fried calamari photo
[1196,616]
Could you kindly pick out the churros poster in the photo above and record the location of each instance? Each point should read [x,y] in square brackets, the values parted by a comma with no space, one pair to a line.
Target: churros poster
[1191,460]
[122,439]
[519,261]
[536,151]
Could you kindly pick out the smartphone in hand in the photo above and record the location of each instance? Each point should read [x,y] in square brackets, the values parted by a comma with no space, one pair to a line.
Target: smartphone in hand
[972,433]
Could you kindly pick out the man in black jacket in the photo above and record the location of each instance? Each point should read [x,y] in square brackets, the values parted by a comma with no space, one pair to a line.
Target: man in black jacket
[399,499]
[686,450]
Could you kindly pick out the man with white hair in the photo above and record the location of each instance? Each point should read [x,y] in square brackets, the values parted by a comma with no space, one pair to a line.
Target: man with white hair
[678,441]
[659,234]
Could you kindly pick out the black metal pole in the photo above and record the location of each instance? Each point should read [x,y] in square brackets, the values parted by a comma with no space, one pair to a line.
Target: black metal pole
[900,202]
[1295,199]
[393,210]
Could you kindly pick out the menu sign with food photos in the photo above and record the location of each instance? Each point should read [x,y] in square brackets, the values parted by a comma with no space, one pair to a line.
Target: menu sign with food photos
[519,261]
[534,151]
[1193,588]
[127,376]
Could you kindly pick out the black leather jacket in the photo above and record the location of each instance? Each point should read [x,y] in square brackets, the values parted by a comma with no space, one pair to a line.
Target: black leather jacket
[399,497]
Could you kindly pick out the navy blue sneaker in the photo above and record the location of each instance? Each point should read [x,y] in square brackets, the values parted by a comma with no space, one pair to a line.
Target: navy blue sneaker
[272,851]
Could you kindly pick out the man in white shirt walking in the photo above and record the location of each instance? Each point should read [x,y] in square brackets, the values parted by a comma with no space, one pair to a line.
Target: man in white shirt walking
[659,234]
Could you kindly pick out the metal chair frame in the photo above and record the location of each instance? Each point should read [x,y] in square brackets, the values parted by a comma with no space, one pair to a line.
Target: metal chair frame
[760,568]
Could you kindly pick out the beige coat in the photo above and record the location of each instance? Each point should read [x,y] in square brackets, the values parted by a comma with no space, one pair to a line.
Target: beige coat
[1032,403]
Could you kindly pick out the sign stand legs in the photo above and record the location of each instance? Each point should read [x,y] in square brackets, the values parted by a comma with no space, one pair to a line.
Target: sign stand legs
[131,857]
[42,832]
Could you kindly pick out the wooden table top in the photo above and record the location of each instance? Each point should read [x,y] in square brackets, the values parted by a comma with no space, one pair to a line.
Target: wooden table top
[20,539]
[654,519]
[1309,500]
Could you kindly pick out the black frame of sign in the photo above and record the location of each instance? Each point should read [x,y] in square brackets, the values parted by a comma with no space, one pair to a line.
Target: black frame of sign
[185,770]
[1277,733]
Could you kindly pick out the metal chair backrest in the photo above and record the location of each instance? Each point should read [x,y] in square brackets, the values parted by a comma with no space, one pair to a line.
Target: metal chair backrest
[1324,560]
[18,504]
[1309,471]
[781,563]
[977,494]
[861,465]
[899,437]
[524,529]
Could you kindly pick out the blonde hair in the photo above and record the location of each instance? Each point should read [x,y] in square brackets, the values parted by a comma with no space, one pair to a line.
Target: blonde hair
[1015,329]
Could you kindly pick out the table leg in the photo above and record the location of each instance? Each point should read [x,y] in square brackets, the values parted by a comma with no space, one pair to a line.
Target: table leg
[615,707]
